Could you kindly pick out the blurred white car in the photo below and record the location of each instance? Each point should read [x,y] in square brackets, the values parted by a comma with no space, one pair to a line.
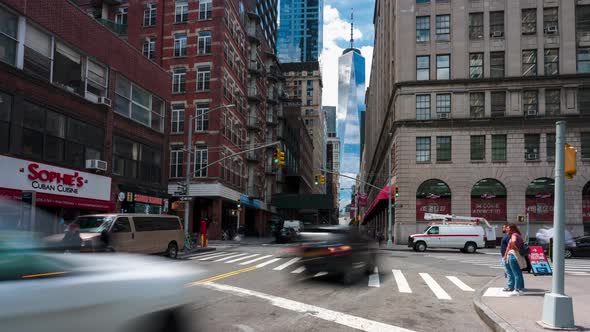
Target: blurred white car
[93,292]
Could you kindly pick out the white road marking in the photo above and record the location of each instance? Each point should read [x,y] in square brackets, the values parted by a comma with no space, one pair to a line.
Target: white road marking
[282,266]
[579,273]
[435,287]
[229,257]
[374,279]
[402,283]
[460,284]
[299,269]
[268,262]
[241,258]
[214,256]
[205,254]
[351,321]
[255,260]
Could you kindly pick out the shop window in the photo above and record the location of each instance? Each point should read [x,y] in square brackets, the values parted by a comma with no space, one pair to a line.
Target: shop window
[432,196]
[8,36]
[540,199]
[38,53]
[488,200]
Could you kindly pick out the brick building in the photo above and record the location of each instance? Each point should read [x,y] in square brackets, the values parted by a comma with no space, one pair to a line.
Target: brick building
[467,105]
[223,74]
[83,116]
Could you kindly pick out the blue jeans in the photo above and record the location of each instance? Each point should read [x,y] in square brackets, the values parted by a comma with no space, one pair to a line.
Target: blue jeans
[514,274]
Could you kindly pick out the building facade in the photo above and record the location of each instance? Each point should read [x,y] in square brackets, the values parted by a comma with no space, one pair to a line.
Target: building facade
[300,30]
[224,80]
[84,118]
[468,106]
[351,92]
[332,154]
[304,82]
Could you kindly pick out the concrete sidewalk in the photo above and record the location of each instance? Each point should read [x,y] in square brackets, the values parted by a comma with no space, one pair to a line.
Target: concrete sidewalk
[521,313]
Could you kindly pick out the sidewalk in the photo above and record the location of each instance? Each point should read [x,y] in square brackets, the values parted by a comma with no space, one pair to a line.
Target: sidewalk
[521,313]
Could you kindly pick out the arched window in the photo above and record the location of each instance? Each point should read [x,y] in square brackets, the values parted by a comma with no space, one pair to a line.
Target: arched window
[488,200]
[539,199]
[432,196]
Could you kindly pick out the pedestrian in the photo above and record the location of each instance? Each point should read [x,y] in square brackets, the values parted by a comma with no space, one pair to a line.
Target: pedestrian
[380,238]
[503,246]
[203,231]
[514,262]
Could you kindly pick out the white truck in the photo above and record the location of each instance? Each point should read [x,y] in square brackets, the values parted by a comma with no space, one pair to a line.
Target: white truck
[453,232]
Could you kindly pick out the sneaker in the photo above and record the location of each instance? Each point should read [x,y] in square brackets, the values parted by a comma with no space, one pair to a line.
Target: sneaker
[506,289]
[514,293]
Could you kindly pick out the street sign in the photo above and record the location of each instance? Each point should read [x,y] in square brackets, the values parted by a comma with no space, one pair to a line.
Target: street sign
[185,198]
[521,218]
[179,193]
[539,261]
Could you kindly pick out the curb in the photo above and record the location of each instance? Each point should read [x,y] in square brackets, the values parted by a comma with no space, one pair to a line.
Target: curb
[489,316]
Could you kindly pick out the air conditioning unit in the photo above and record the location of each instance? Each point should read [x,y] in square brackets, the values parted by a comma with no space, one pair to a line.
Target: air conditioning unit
[497,34]
[443,115]
[104,101]
[532,156]
[551,29]
[96,164]
[531,112]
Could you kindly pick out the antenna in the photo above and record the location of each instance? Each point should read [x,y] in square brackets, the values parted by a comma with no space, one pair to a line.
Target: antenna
[351,27]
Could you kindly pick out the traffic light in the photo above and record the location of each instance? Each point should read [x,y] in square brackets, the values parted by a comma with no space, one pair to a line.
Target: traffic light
[239,203]
[275,156]
[316,180]
[322,179]
[396,192]
[570,161]
[281,157]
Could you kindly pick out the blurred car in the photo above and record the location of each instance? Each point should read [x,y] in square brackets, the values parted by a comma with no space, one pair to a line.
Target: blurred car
[581,248]
[42,291]
[287,235]
[337,250]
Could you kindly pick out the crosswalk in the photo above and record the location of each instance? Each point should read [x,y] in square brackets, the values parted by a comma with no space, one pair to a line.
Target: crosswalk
[572,266]
[399,281]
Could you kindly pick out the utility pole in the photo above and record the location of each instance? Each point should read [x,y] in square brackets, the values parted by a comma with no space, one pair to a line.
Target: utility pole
[389,212]
[558,311]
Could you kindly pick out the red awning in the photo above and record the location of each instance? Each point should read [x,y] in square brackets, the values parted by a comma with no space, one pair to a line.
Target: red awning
[381,196]
[61,201]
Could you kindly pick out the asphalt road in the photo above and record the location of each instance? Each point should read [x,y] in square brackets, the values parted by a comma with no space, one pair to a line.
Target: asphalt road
[262,288]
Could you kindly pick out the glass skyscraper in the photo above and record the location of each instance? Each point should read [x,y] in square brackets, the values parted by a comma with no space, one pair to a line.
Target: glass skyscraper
[351,105]
[300,30]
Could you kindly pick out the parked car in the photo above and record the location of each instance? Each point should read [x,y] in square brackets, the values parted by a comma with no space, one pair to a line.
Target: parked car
[134,233]
[337,250]
[467,238]
[287,235]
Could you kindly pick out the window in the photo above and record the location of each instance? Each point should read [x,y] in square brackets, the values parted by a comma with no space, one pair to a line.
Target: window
[529,21]
[422,149]
[121,225]
[443,148]
[530,100]
[204,42]
[443,67]
[121,16]
[135,103]
[551,62]
[423,107]
[550,147]
[181,11]
[583,59]
[422,1]
[584,101]
[477,104]
[423,28]
[582,23]
[179,80]
[177,119]
[96,81]
[135,160]
[8,36]
[529,63]
[67,71]
[498,104]
[499,148]
[475,65]
[532,143]
[180,44]
[203,77]
[497,24]
[423,68]
[38,55]
[585,138]
[476,26]
[5,115]
[202,117]
[149,15]
[176,160]
[497,64]
[552,102]
[443,103]
[443,27]
[201,160]
[149,48]
[205,7]
[478,148]
[550,20]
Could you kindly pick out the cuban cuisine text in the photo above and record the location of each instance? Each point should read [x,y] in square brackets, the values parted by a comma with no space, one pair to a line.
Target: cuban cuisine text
[54,181]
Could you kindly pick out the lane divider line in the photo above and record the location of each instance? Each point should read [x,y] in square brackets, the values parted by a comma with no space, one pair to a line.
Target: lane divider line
[435,287]
[222,276]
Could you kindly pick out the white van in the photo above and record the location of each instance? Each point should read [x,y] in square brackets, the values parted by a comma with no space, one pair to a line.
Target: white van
[468,238]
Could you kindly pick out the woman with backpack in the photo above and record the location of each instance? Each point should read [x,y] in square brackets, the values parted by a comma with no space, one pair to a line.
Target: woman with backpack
[515,261]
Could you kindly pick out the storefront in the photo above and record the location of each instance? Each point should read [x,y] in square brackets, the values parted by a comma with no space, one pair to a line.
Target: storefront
[148,203]
[60,194]
[432,196]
